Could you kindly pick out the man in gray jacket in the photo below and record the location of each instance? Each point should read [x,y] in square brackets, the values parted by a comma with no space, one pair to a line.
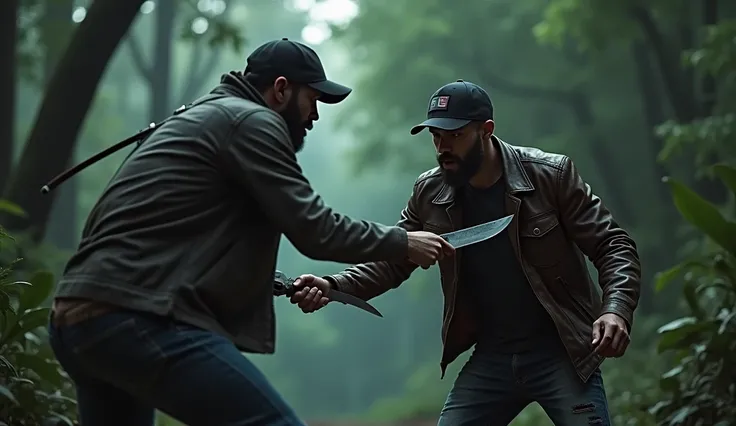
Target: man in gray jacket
[173,276]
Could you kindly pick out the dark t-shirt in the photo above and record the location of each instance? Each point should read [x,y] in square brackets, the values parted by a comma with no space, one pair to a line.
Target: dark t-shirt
[510,316]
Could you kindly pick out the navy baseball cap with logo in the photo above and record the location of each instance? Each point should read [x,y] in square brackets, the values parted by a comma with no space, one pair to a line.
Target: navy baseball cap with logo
[455,105]
[299,64]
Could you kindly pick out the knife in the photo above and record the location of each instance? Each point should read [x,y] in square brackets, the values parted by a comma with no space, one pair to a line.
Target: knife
[478,233]
[284,286]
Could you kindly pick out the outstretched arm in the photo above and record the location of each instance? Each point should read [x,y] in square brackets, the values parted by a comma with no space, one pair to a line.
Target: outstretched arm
[260,157]
[366,280]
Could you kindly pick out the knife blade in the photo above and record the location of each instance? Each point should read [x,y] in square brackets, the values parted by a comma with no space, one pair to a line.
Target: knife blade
[478,233]
[284,286]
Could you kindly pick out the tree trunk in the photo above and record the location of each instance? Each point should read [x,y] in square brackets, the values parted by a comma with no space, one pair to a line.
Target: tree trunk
[579,105]
[678,81]
[665,218]
[65,105]
[8,42]
[710,189]
[56,30]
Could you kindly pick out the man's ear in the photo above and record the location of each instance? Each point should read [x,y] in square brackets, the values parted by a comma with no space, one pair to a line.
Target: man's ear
[488,127]
[281,90]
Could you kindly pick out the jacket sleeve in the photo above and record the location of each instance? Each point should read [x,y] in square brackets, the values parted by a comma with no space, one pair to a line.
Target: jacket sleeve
[612,251]
[369,280]
[260,157]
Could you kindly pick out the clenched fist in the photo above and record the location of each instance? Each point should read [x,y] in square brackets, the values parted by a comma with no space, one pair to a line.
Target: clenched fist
[311,294]
[426,248]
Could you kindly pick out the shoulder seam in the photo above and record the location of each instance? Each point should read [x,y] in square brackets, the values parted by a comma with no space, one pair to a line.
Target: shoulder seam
[556,165]
[422,178]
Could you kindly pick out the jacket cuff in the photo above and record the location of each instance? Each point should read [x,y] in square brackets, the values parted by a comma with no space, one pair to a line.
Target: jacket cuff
[614,306]
[339,283]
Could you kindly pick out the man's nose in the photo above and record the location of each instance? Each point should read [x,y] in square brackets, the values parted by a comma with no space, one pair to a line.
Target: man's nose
[443,147]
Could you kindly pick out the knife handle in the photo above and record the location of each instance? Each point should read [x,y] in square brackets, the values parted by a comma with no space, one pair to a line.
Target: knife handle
[283,285]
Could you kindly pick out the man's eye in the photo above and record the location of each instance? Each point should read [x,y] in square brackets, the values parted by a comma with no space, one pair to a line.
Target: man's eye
[456,135]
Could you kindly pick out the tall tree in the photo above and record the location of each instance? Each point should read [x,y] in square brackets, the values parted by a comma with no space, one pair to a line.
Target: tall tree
[158,72]
[56,28]
[8,41]
[65,105]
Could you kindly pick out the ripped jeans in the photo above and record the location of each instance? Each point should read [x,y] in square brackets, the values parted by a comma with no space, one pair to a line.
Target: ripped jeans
[493,388]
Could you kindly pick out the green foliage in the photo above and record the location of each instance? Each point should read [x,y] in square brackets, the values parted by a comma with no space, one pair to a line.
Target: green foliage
[33,388]
[436,45]
[713,135]
[596,24]
[221,32]
[700,386]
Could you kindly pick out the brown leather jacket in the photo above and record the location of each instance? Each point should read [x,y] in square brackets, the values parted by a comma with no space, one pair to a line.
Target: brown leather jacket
[557,220]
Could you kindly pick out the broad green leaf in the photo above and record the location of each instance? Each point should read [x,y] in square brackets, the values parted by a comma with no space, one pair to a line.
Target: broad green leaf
[677,324]
[28,321]
[12,208]
[42,286]
[682,414]
[8,394]
[659,406]
[664,278]
[46,369]
[8,365]
[32,319]
[10,320]
[712,285]
[5,302]
[22,380]
[726,318]
[689,291]
[681,333]
[59,397]
[727,174]
[62,419]
[703,215]
[669,381]
[16,287]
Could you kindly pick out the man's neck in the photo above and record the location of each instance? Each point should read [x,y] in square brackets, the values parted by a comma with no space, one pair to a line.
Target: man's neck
[491,169]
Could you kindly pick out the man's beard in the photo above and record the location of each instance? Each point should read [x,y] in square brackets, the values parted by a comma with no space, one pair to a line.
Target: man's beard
[467,166]
[294,122]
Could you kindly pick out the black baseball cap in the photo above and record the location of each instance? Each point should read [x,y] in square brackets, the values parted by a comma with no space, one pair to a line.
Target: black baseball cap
[456,104]
[299,64]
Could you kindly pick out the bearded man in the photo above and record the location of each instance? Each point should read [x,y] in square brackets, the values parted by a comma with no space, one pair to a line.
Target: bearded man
[524,298]
[174,275]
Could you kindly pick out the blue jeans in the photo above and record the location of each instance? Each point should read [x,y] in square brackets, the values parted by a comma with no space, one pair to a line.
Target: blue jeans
[124,365]
[493,388]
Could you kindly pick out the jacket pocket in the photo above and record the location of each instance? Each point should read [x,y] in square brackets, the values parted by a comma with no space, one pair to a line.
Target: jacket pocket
[436,228]
[542,239]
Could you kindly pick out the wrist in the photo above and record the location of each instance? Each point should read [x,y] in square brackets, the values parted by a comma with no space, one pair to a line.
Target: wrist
[332,282]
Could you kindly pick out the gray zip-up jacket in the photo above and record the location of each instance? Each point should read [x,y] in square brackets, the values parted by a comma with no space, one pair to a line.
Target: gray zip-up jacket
[190,225]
